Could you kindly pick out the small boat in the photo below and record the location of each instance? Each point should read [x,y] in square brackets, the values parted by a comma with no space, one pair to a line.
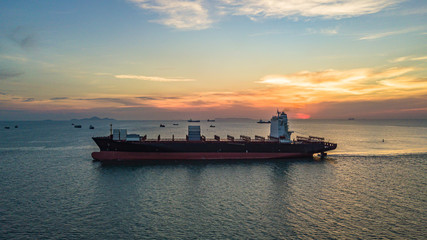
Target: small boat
[351,118]
[191,120]
[91,127]
[262,121]
[161,125]
[175,124]
[16,126]
[6,127]
[77,126]
[211,120]
[212,126]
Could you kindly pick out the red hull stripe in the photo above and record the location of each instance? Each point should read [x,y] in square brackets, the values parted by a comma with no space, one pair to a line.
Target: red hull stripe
[140,156]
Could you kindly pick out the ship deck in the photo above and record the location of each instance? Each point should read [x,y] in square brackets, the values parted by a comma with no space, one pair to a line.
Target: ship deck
[211,140]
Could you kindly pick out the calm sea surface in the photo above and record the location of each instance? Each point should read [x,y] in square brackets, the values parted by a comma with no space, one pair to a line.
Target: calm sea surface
[367,188]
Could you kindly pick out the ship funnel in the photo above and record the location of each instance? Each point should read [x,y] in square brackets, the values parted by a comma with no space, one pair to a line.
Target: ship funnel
[279,128]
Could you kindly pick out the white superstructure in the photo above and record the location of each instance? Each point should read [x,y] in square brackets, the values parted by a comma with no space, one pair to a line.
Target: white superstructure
[279,128]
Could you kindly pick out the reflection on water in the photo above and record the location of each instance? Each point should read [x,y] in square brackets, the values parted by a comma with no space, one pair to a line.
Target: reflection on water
[274,199]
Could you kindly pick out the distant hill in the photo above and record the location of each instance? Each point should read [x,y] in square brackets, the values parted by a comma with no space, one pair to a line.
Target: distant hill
[93,119]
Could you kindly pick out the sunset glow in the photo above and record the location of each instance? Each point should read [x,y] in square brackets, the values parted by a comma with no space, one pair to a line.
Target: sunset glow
[208,59]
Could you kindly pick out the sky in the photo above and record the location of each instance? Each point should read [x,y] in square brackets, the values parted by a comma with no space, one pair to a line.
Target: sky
[200,59]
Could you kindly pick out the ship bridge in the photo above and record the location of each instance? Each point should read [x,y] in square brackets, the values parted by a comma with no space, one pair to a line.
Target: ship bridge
[279,128]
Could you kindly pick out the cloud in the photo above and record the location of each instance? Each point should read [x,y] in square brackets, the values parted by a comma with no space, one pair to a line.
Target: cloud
[331,31]
[14,58]
[401,108]
[391,33]
[343,85]
[256,9]
[306,78]
[23,37]
[153,79]
[333,77]
[5,74]
[28,100]
[295,91]
[180,14]
[147,98]
[300,92]
[199,14]
[419,58]
[122,101]
[156,98]
[409,58]
[59,98]
[323,31]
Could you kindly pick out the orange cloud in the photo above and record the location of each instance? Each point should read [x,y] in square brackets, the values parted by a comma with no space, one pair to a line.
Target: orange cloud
[154,79]
[347,84]
[292,91]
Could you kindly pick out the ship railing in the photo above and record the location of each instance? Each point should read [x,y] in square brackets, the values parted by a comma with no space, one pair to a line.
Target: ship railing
[299,138]
[164,139]
[316,138]
[312,139]
[245,138]
[328,145]
[259,138]
[204,139]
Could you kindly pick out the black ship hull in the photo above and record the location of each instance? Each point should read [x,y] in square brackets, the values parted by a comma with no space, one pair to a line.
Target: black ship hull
[140,151]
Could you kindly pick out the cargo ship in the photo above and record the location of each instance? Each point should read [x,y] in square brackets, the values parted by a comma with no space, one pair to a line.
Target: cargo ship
[122,147]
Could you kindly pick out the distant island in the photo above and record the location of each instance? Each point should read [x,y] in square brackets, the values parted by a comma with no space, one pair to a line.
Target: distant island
[93,119]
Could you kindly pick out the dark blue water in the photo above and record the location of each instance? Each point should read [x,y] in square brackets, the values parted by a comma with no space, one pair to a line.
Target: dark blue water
[367,188]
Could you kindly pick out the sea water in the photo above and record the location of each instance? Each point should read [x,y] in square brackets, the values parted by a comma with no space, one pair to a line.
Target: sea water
[373,185]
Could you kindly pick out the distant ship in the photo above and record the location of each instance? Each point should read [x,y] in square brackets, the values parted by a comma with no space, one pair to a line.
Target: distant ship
[78,126]
[262,121]
[161,125]
[120,147]
[351,118]
[91,127]
[211,120]
[191,120]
